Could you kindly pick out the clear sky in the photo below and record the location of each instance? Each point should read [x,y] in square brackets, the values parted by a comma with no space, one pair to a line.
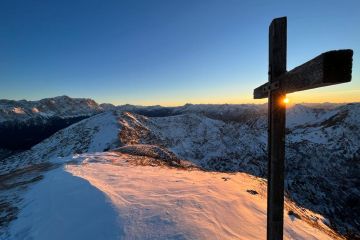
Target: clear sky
[166,52]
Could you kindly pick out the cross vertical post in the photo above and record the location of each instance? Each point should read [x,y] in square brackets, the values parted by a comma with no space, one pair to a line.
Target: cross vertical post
[276,131]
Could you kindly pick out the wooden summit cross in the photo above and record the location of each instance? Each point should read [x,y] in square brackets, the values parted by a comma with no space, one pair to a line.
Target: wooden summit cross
[329,68]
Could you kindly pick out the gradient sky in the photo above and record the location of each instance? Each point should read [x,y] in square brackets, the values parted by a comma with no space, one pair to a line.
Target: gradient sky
[166,52]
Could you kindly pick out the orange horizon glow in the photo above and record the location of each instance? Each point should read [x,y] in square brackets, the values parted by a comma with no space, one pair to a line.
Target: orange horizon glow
[305,97]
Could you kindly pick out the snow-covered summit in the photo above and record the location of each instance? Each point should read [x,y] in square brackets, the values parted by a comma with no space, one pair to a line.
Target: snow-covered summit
[62,106]
[102,196]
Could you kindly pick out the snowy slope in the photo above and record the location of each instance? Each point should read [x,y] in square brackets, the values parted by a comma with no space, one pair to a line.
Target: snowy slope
[102,196]
[94,134]
[211,143]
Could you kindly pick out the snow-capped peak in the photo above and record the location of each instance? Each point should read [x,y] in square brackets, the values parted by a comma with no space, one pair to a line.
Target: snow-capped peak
[62,106]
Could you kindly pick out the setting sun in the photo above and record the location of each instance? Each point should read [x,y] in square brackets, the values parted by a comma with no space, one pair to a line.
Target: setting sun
[286,100]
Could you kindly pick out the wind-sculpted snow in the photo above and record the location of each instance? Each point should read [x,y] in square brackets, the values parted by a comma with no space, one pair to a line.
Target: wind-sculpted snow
[102,196]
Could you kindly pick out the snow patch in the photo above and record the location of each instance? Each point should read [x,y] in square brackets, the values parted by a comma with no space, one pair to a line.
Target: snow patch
[18,110]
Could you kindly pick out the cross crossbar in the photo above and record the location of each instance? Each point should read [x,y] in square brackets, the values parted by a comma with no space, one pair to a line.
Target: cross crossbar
[328,68]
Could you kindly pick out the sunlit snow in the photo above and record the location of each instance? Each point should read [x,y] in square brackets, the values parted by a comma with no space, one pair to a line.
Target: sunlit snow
[101,196]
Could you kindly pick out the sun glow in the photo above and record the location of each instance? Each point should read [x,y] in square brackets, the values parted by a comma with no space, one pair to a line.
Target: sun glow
[286,100]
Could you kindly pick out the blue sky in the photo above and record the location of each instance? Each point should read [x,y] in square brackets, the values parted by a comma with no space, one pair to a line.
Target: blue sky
[165,52]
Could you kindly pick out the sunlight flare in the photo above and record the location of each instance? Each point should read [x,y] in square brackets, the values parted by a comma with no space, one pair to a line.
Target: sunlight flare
[286,100]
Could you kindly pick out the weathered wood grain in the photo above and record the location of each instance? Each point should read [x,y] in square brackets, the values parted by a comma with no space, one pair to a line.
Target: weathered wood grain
[329,68]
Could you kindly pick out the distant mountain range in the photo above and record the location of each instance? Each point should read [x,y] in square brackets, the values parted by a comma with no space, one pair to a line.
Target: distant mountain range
[26,123]
[62,106]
